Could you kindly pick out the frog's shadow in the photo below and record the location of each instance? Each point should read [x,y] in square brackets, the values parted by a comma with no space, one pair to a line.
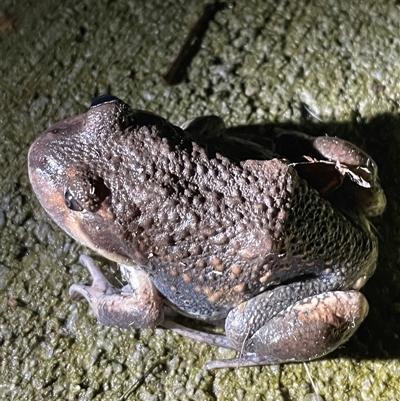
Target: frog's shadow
[378,337]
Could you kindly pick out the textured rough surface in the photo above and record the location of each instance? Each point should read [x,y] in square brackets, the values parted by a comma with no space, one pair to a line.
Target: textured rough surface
[211,231]
[258,61]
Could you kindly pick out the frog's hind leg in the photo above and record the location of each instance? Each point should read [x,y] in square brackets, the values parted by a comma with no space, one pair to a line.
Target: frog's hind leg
[200,336]
[306,330]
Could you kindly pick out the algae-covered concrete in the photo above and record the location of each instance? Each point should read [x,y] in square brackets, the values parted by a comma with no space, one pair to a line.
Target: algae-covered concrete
[258,61]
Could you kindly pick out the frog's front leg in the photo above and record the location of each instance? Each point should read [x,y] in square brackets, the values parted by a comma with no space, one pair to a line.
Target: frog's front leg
[204,127]
[136,305]
[306,330]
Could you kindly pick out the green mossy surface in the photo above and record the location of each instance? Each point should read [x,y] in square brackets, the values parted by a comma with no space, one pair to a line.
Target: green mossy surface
[258,61]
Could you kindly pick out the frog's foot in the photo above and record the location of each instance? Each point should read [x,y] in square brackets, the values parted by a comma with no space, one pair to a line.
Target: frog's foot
[137,305]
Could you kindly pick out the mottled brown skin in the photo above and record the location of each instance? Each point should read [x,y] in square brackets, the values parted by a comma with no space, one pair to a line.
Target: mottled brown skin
[248,242]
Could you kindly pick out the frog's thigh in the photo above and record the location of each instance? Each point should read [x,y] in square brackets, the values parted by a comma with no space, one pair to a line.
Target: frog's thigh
[306,330]
[333,148]
[137,305]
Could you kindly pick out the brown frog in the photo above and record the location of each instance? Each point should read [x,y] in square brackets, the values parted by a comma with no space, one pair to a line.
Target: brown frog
[272,243]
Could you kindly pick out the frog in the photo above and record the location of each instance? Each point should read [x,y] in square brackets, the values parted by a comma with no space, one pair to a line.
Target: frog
[271,244]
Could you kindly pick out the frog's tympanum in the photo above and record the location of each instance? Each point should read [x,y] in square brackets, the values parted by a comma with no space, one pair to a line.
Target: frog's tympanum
[273,243]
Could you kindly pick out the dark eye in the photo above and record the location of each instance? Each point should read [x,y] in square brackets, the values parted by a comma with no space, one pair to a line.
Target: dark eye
[103,99]
[85,192]
[71,202]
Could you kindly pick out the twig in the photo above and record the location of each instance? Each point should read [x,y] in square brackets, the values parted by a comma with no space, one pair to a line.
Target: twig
[177,70]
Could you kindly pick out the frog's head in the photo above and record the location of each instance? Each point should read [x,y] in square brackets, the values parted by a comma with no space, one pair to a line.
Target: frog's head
[76,172]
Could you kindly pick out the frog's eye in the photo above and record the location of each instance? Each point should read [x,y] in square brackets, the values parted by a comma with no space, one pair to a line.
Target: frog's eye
[71,202]
[85,192]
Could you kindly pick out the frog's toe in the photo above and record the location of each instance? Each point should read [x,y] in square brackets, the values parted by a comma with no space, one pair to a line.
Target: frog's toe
[139,307]
[100,286]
